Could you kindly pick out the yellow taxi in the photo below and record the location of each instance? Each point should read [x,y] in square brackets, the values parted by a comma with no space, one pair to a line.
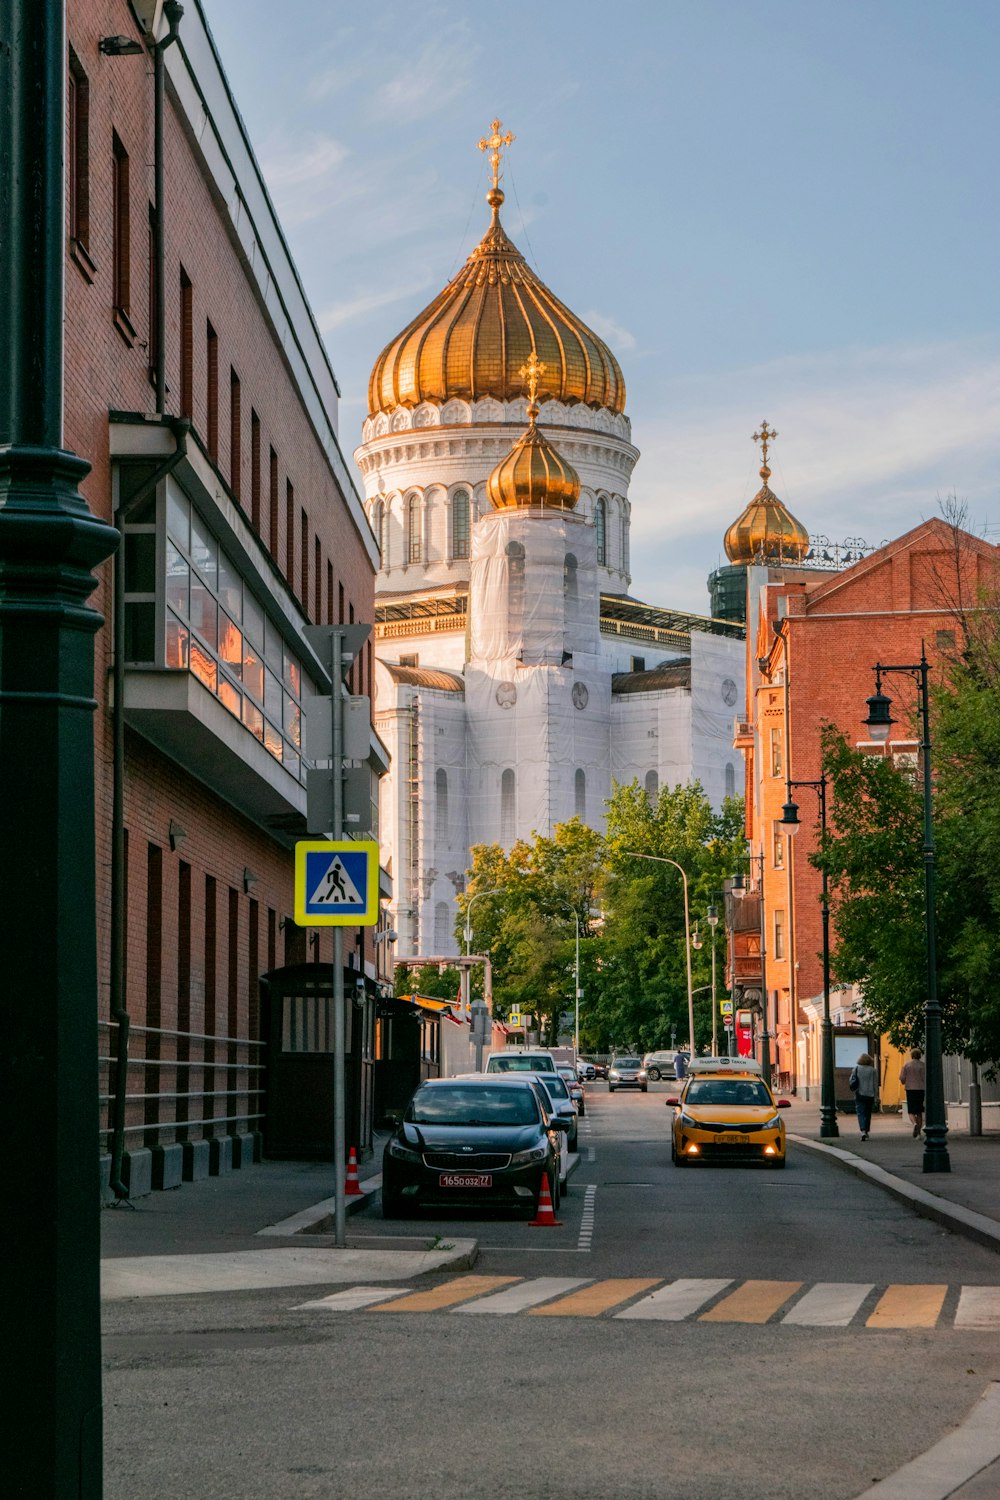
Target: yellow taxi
[726,1112]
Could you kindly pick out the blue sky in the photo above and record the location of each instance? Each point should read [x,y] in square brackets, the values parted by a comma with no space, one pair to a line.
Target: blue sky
[780,209]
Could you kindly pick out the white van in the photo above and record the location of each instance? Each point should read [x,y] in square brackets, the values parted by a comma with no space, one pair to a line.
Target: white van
[520,1060]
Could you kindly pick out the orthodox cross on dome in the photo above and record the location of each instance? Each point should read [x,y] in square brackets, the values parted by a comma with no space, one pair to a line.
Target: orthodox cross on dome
[765,437]
[494,144]
[531,373]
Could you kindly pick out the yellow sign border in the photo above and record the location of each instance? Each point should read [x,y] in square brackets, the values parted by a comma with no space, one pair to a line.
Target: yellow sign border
[336,846]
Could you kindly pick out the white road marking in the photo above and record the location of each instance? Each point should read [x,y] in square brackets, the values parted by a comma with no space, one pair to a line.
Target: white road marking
[587,1219]
[591,1153]
[978,1307]
[355,1297]
[675,1301]
[515,1299]
[829,1304]
[940,1471]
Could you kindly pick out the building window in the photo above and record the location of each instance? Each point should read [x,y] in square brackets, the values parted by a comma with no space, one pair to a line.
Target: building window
[78,120]
[235,424]
[730,779]
[508,808]
[779,934]
[515,586]
[624,553]
[255,470]
[580,795]
[378,526]
[441,832]
[187,345]
[442,926]
[272,509]
[652,785]
[778,847]
[571,595]
[460,524]
[601,528]
[945,640]
[212,392]
[411,659]
[290,533]
[638,664]
[317,581]
[121,227]
[777,753]
[216,628]
[413,554]
[304,560]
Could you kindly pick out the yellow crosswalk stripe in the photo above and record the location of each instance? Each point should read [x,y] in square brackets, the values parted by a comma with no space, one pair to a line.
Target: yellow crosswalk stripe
[908,1307]
[459,1290]
[591,1301]
[753,1302]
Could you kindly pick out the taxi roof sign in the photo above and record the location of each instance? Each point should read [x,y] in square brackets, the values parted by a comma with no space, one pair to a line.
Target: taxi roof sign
[336,883]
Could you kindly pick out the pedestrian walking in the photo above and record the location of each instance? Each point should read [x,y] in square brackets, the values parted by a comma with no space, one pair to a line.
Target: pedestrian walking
[863,1083]
[913,1077]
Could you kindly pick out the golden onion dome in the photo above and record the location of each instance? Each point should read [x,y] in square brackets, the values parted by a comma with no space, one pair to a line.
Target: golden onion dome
[473,338]
[766,531]
[533,473]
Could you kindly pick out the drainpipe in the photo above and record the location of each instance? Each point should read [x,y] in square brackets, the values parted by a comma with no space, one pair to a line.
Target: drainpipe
[173,11]
[180,426]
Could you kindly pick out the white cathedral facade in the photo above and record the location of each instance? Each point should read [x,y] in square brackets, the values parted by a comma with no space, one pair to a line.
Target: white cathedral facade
[516,680]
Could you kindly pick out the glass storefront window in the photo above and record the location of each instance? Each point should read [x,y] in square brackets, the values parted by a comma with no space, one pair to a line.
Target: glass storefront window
[229,697]
[253,621]
[293,722]
[204,613]
[204,551]
[230,645]
[292,673]
[178,580]
[253,672]
[230,588]
[253,719]
[179,518]
[203,666]
[178,641]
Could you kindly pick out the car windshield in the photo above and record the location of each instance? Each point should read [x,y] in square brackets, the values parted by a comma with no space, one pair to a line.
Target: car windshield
[728,1091]
[519,1064]
[473,1104]
[626,1062]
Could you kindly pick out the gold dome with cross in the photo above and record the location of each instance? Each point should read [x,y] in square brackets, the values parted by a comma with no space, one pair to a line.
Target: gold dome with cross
[766,532]
[533,474]
[476,335]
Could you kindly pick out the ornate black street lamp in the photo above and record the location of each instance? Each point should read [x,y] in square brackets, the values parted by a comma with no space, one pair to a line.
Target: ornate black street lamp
[790,822]
[879,722]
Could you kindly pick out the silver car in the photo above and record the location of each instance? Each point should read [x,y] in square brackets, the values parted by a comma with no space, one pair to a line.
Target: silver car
[627,1073]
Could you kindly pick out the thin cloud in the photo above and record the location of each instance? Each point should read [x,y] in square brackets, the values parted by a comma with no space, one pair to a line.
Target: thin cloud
[617,336]
[339,313]
[299,176]
[430,82]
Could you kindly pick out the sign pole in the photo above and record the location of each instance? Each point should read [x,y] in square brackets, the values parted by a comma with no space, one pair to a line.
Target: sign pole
[339,1051]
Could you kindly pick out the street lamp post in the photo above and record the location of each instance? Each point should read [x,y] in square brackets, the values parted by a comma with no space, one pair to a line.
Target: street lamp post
[790,822]
[477,1022]
[879,722]
[661,859]
[712,918]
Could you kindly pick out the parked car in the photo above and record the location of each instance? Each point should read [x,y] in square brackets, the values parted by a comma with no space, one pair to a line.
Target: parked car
[520,1060]
[728,1115]
[626,1073]
[575,1087]
[483,1141]
[558,1090]
[585,1070]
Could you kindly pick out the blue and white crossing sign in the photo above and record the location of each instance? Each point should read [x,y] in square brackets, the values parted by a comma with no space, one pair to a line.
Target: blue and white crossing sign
[336,883]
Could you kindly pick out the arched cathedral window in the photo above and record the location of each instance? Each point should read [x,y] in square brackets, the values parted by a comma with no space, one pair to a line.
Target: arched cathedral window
[413,550]
[652,786]
[570,592]
[515,585]
[601,527]
[580,795]
[379,529]
[460,524]
[508,808]
[730,779]
[441,806]
[443,934]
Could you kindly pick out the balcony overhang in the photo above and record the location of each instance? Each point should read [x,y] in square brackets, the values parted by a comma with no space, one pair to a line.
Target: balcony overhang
[188,724]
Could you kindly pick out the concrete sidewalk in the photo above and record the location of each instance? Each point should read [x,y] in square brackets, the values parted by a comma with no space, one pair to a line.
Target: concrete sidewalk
[966,1199]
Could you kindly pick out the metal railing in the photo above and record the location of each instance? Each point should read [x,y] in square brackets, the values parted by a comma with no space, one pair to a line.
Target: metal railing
[162,1116]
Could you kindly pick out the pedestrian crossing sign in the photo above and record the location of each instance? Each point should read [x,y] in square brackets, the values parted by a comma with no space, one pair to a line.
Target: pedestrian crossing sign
[336,883]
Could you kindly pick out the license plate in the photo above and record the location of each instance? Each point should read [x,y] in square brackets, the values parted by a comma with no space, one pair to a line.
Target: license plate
[465,1180]
[732,1140]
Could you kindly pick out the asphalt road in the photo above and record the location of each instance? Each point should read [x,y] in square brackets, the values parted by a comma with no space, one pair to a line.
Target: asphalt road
[726,1386]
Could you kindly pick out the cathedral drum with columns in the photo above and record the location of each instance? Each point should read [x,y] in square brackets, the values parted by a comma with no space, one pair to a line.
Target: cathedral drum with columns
[516,679]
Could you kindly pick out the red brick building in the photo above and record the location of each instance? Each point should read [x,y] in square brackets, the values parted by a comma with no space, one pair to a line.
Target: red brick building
[241,526]
[812,644]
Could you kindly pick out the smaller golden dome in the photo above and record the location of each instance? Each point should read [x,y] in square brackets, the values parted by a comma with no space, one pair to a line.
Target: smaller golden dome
[533,473]
[766,532]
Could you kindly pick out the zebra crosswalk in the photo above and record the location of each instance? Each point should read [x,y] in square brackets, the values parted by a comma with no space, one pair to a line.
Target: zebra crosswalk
[821,1304]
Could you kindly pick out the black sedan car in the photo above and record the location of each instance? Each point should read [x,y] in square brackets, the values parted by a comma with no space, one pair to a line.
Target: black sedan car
[487,1141]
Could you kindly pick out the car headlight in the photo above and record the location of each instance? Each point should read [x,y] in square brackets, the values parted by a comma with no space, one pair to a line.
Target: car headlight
[525,1158]
[686,1119]
[642,1072]
[772,1124]
[402,1152]
[613,1073]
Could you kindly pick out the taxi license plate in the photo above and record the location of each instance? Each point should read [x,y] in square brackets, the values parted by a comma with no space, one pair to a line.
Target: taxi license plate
[732,1140]
[465,1180]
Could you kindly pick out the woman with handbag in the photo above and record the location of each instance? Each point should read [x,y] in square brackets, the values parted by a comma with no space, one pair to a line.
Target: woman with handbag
[863,1084]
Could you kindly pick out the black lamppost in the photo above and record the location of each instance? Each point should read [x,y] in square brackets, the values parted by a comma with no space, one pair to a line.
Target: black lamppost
[828,1103]
[50,542]
[879,722]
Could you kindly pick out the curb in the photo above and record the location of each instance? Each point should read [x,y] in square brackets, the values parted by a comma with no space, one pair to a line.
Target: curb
[954,1216]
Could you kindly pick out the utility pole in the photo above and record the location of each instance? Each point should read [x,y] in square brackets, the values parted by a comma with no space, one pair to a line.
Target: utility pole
[49,544]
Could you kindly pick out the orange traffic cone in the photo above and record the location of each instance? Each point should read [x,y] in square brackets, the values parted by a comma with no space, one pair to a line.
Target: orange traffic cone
[353,1188]
[545,1218]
